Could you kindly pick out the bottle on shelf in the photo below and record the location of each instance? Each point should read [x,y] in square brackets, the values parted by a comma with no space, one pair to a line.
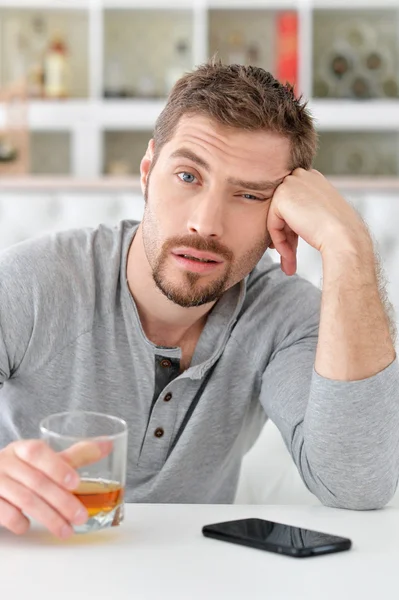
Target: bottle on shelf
[8,152]
[56,69]
[180,65]
[114,86]
[321,88]
[15,41]
[236,51]
[118,168]
[355,157]
[361,88]
[38,44]
[146,86]
[254,55]
[360,60]
[340,65]
[390,87]
[374,61]
[14,134]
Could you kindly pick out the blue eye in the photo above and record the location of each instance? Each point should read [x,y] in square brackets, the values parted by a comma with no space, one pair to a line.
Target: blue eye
[186,177]
[251,197]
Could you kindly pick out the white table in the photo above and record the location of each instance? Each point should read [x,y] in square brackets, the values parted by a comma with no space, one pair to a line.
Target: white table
[159,553]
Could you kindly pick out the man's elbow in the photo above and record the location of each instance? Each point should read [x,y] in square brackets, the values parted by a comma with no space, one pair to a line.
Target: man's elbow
[361,497]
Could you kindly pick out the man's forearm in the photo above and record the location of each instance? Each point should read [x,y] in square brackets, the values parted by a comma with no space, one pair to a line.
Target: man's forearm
[355,341]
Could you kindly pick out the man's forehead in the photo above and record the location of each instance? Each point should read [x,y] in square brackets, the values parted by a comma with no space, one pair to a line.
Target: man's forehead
[258,147]
[197,120]
[198,123]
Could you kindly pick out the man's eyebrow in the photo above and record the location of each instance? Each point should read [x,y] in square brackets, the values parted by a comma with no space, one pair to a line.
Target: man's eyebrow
[259,186]
[190,155]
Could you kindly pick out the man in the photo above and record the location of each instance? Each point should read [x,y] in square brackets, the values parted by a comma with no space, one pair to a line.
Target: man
[182,326]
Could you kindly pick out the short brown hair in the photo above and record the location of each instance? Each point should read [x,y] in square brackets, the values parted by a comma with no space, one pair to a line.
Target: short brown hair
[243,97]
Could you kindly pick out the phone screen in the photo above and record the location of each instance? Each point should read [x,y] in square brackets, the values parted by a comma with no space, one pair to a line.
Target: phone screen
[277,537]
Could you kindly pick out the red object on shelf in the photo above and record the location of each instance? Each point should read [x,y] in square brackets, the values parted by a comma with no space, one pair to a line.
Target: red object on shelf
[287,48]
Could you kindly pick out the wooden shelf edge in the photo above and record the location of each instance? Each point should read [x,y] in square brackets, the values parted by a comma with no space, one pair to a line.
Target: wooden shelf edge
[31,183]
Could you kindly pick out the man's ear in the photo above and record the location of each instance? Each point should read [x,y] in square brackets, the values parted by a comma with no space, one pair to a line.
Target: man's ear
[145,165]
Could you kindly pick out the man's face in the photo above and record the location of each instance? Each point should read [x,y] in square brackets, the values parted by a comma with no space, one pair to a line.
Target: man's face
[207,200]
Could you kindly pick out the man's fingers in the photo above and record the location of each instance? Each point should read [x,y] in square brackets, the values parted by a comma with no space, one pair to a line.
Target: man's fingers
[86,452]
[289,262]
[60,467]
[286,243]
[288,267]
[61,500]
[284,240]
[286,246]
[277,228]
[37,481]
[281,243]
[28,502]
[39,455]
[12,518]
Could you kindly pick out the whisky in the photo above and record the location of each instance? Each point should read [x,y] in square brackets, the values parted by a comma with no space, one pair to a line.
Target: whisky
[99,495]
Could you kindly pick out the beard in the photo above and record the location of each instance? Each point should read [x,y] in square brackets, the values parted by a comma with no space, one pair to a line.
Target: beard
[191,291]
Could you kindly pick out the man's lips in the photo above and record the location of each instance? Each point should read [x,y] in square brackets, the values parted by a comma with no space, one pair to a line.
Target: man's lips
[196,261]
[197,254]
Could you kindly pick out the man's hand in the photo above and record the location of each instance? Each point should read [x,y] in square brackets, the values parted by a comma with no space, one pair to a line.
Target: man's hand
[354,333]
[306,205]
[36,481]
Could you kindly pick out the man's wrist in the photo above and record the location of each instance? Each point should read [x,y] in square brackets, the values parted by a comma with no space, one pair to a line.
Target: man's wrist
[352,253]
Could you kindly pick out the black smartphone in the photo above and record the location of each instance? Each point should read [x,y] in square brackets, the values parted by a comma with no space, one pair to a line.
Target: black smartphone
[277,537]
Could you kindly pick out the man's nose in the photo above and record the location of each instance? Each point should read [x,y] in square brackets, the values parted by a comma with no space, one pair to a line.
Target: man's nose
[207,217]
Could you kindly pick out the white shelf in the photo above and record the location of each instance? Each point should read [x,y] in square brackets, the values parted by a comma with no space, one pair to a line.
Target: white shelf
[55,115]
[148,4]
[188,4]
[48,4]
[368,115]
[30,183]
[107,114]
[87,119]
[193,4]
[254,4]
[352,4]
[137,114]
[129,114]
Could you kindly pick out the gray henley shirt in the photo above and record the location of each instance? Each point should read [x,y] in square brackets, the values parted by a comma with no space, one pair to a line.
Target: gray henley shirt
[71,338]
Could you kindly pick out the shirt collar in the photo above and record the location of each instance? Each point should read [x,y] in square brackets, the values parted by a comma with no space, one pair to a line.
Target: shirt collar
[219,324]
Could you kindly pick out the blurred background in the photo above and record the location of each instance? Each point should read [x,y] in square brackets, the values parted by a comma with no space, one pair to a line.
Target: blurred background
[82,82]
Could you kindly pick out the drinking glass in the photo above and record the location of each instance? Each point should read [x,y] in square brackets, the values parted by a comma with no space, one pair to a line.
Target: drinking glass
[102,484]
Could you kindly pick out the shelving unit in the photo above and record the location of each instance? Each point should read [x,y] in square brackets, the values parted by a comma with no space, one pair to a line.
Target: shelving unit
[86,126]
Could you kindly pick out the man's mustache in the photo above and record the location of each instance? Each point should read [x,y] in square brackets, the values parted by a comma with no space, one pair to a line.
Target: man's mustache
[199,243]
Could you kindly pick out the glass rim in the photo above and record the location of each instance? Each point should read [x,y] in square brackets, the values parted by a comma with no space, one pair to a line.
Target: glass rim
[46,429]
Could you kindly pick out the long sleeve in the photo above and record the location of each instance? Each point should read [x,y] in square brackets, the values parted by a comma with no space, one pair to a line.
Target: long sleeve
[343,436]
[16,318]
[4,362]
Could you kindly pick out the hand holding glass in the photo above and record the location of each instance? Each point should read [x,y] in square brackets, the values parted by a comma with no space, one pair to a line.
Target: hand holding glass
[102,482]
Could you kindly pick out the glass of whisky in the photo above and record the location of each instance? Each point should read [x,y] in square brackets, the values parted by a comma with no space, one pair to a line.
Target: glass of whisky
[102,483]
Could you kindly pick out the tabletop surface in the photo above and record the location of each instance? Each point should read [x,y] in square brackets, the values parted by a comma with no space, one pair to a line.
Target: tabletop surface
[160,553]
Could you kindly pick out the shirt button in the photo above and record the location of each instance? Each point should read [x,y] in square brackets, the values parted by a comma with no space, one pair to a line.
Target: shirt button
[165,363]
[159,432]
[168,397]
